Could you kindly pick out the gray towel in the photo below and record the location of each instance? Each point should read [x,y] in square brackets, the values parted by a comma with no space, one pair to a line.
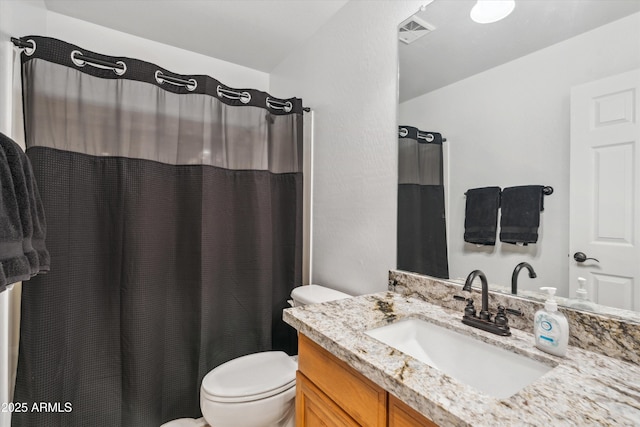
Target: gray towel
[37,216]
[14,155]
[15,265]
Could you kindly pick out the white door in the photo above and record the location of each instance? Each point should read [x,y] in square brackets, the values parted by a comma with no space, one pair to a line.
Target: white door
[605,189]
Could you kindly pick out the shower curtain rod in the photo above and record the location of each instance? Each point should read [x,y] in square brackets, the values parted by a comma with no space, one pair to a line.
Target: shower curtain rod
[546,190]
[120,68]
[23,44]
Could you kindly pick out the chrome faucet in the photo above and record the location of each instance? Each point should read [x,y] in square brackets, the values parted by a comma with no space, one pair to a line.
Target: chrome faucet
[484,311]
[516,271]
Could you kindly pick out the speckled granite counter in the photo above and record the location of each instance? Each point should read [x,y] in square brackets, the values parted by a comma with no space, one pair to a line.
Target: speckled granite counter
[583,389]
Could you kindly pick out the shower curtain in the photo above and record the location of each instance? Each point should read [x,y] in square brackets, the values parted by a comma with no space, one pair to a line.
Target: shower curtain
[422,238]
[174,209]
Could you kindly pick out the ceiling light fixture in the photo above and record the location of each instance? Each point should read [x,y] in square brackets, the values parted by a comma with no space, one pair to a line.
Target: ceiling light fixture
[488,11]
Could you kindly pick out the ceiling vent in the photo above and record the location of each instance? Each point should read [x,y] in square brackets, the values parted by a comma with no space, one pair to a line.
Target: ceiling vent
[413,28]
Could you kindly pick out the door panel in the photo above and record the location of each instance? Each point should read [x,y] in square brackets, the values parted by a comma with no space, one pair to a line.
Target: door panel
[605,189]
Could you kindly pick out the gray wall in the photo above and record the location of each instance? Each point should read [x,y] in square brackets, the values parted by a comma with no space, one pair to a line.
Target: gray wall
[347,73]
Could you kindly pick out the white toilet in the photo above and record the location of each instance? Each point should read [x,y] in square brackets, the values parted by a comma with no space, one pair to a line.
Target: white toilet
[256,390]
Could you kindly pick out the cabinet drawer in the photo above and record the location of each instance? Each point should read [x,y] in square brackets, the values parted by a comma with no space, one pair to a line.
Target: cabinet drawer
[364,401]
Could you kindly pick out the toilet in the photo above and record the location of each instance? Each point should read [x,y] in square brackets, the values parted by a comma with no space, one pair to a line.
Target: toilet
[256,390]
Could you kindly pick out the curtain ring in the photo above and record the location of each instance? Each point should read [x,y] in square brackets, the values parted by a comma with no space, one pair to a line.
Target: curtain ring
[77,61]
[190,84]
[403,132]
[159,79]
[429,137]
[244,97]
[30,51]
[286,107]
[119,71]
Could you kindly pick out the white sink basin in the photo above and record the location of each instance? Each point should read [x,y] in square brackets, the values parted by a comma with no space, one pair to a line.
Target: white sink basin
[487,368]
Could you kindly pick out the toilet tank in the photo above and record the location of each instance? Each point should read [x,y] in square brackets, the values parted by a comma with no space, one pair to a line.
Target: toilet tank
[313,294]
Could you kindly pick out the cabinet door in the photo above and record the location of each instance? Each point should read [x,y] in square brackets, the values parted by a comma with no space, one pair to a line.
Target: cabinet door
[315,409]
[359,397]
[401,415]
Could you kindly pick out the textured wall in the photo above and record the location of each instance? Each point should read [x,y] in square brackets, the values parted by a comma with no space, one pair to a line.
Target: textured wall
[17,18]
[347,73]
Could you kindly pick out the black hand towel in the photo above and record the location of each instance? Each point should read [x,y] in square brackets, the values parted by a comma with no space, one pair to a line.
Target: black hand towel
[481,215]
[521,207]
[15,265]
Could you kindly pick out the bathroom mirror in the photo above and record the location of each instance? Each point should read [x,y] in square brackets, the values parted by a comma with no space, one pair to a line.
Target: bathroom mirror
[500,95]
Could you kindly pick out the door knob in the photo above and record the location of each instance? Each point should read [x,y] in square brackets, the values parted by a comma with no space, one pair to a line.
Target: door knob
[581,257]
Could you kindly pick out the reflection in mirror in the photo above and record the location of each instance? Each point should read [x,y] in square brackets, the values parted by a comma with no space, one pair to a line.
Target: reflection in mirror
[501,94]
[422,240]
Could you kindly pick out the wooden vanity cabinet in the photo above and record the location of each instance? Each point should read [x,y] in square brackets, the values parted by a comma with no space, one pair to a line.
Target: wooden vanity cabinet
[331,393]
[336,383]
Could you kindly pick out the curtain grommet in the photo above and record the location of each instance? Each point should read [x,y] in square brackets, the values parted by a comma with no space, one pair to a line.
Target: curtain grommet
[245,97]
[77,62]
[286,107]
[30,51]
[119,71]
[158,77]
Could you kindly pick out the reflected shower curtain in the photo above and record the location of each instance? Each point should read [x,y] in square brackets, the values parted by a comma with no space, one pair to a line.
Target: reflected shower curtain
[422,239]
[175,224]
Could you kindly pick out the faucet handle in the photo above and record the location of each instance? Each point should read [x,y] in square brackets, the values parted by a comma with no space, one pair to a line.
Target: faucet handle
[470,310]
[501,317]
[513,311]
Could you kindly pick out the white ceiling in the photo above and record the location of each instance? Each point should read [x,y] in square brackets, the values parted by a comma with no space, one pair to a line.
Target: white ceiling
[258,34]
[460,48]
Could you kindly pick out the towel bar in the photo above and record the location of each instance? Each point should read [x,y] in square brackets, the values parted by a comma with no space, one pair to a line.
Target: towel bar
[547,191]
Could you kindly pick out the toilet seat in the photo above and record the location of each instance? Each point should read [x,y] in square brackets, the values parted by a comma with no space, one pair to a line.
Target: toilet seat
[248,378]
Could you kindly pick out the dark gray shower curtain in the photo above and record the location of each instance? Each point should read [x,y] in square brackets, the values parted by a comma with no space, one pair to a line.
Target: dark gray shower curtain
[422,238]
[175,224]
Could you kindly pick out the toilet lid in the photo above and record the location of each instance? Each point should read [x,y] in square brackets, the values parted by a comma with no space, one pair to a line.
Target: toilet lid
[313,294]
[252,377]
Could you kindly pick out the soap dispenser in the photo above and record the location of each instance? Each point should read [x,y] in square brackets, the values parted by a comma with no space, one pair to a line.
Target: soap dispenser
[550,326]
[581,301]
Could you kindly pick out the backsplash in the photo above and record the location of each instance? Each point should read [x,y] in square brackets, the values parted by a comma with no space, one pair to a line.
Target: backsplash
[610,336]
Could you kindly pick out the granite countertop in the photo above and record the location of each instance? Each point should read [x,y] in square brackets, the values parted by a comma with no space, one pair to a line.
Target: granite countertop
[583,389]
